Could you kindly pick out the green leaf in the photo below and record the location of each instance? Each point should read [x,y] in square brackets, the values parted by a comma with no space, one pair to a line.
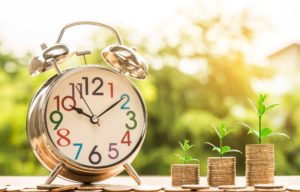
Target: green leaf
[186,145]
[234,151]
[180,157]
[190,146]
[216,130]
[260,104]
[279,134]
[193,159]
[265,132]
[181,145]
[227,132]
[188,158]
[251,129]
[271,107]
[214,148]
[222,129]
[225,149]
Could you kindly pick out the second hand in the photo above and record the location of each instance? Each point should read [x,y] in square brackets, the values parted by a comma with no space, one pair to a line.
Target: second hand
[93,116]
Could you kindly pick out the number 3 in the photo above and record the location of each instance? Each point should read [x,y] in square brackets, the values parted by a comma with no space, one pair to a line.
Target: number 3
[131,114]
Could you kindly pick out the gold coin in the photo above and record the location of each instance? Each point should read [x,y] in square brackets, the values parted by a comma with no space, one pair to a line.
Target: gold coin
[116,188]
[247,189]
[211,189]
[3,188]
[147,188]
[271,190]
[294,188]
[267,186]
[79,190]
[194,187]
[66,188]
[232,187]
[90,187]
[14,188]
[175,189]
[34,190]
[49,186]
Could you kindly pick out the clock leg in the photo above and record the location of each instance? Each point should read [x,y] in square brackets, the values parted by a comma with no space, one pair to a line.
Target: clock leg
[132,173]
[57,169]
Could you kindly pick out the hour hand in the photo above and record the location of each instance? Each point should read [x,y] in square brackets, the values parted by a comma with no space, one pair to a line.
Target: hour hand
[80,111]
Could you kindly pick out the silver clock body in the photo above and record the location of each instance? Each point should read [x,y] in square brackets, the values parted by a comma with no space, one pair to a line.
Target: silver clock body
[47,152]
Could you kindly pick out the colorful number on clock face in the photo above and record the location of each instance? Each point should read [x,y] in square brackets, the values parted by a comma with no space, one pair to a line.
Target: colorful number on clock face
[95,117]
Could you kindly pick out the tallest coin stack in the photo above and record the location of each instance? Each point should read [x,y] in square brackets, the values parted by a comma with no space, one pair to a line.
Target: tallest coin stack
[260,164]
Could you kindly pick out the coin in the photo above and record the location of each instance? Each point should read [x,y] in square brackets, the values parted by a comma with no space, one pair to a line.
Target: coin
[14,188]
[271,190]
[267,186]
[232,187]
[246,189]
[66,188]
[96,190]
[90,187]
[3,188]
[194,187]
[211,189]
[116,188]
[49,186]
[34,190]
[147,188]
[175,189]
[294,188]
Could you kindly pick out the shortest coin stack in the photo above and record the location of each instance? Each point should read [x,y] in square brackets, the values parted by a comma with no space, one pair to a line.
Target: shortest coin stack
[185,174]
[221,171]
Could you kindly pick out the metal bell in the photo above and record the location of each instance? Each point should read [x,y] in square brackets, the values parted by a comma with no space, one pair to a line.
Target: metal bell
[50,58]
[126,61]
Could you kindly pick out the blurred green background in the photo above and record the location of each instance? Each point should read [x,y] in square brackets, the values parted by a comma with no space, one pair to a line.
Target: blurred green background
[192,84]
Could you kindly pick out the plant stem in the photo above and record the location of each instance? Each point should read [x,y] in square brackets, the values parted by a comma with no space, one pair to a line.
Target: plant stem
[259,126]
[221,146]
[185,155]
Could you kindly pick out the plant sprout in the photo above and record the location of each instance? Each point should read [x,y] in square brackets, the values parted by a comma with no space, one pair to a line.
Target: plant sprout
[222,132]
[261,109]
[186,147]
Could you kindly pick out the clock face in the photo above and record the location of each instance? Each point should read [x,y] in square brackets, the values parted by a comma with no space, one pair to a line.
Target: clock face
[95,117]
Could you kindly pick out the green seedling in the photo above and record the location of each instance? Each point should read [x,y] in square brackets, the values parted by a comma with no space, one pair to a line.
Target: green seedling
[261,109]
[222,131]
[186,147]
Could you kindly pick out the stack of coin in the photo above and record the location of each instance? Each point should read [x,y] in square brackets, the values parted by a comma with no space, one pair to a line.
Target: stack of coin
[221,171]
[185,174]
[260,164]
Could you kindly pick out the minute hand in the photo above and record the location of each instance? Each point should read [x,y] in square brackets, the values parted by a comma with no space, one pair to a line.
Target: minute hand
[110,107]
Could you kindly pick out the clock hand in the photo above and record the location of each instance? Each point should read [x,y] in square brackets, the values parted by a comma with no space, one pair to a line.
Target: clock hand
[80,111]
[110,107]
[84,101]
[93,118]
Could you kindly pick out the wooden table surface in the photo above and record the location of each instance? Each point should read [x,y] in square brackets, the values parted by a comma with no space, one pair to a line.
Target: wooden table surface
[31,181]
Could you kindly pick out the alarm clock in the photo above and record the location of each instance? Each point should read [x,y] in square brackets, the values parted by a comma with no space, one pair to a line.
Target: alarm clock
[88,123]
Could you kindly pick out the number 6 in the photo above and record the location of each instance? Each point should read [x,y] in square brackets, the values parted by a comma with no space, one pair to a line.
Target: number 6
[96,154]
